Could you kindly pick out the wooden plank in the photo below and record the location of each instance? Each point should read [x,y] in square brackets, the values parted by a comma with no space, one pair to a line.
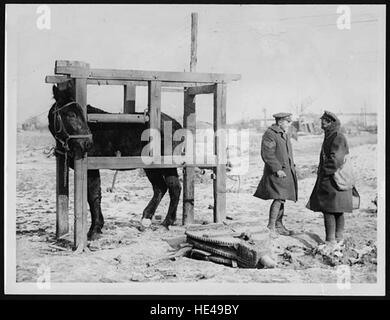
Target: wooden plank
[146,162]
[62,196]
[71,63]
[189,122]
[154,110]
[166,86]
[129,94]
[111,74]
[76,69]
[57,79]
[103,82]
[200,90]
[117,118]
[158,75]
[219,183]
[175,90]
[80,213]
[80,176]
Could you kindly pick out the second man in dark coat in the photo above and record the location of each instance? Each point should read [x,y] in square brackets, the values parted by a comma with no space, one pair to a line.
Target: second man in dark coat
[326,196]
[279,181]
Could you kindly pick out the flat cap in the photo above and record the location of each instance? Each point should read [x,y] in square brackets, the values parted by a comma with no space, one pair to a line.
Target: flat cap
[282,115]
[329,115]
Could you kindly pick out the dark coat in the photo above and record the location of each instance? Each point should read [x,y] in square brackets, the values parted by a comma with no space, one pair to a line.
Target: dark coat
[325,196]
[276,152]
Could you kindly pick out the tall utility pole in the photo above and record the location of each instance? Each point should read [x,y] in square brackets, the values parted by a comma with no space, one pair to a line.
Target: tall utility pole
[194,41]
[189,122]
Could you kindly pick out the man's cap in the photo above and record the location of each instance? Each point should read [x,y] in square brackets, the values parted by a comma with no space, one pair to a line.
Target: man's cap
[329,116]
[282,115]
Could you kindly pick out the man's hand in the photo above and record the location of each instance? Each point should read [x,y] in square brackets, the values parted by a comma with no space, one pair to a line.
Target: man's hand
[281,174]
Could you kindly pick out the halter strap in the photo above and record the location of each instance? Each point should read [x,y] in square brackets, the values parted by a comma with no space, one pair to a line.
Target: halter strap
[64,106]
[63,129]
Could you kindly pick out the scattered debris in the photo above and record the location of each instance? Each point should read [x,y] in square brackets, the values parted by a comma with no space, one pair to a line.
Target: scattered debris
[180,253]
[53,246]
[347,253]
[118,259]
[375,202]
[138,277]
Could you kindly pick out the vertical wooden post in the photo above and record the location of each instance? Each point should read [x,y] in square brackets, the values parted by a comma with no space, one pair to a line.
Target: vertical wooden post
[219,184]
[129,94]
[129,98]
[62,195]
[189,122]
[154,108]
[81,177]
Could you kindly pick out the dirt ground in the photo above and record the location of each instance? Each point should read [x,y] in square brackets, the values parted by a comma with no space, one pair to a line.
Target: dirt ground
[125,254]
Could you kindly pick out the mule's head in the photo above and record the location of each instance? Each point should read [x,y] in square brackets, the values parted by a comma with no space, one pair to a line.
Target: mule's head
[67,122]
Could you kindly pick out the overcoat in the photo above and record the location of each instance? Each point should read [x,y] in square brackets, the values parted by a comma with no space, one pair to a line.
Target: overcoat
[326,197]
[277,154]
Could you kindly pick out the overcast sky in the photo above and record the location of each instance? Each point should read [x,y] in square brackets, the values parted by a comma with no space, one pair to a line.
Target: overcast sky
[285,54]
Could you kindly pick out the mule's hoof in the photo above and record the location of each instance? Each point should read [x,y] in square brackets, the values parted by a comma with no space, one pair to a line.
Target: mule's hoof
[146,222]
[94,234]
[167,224]
[285,232]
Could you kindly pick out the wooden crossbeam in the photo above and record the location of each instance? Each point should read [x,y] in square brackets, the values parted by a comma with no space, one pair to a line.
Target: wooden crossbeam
[65,67]
[166,86]
[146,162]
[57,79]
[200,90]
[117,118]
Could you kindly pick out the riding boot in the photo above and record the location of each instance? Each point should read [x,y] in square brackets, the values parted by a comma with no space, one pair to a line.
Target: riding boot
[273,215]
[280,228]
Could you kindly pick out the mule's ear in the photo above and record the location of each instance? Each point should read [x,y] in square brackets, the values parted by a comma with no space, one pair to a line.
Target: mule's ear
[56,92]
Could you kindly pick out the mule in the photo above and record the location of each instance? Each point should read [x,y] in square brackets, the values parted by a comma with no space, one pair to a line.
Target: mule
[69,127]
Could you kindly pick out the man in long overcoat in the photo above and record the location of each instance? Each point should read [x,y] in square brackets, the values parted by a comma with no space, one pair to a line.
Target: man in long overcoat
[279,181]
[326,196]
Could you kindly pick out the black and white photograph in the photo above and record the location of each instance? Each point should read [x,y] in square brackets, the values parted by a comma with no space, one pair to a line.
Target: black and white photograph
[166,149]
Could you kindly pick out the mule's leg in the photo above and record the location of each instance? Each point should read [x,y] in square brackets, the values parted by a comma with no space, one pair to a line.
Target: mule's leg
[174,187]
[159,189]
[94,201]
